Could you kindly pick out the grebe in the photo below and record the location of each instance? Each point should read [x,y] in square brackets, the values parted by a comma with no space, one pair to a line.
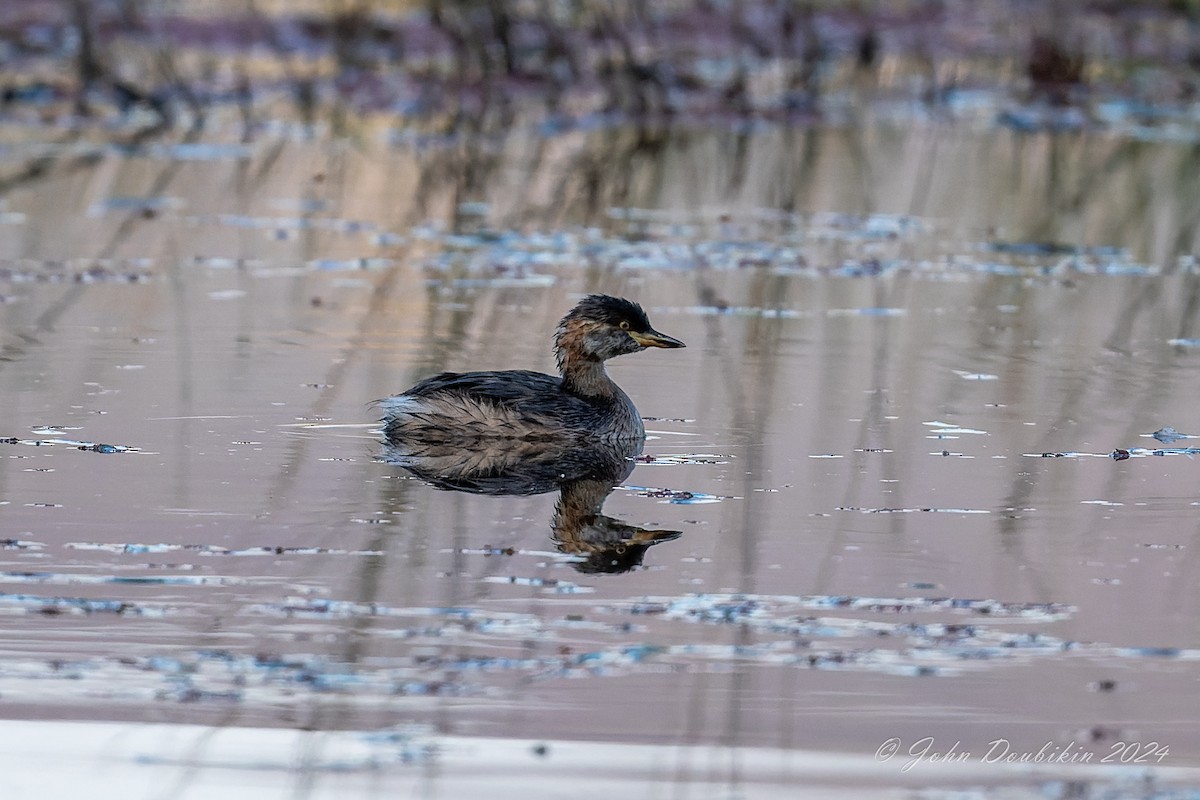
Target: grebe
[582,403]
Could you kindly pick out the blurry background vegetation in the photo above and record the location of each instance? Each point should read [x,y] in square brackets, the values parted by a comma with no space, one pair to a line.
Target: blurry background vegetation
[143,67]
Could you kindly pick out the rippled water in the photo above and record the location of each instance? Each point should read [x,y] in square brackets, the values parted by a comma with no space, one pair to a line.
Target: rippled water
[908,447]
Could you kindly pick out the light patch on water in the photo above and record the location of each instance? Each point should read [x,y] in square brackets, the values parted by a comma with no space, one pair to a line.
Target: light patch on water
[349,264]
[529,280]
[299,205]
[950,431]
[135,204]
[731,311]
[1181,653]
[284,227]
[870,311]
[1167,434]
[195,151]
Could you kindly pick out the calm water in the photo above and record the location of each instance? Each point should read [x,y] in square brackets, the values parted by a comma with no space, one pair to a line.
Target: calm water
[892,445]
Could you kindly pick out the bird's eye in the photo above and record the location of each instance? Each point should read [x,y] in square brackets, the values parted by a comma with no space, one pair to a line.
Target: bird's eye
[624,324]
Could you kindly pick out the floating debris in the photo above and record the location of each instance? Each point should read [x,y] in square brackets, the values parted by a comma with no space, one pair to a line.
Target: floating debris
[137,549]
[728,608]
[1052,249]
[489,551]
[898,635]
[50,606]
[78,445]
[676,459]
[21,544]
[85,271]
[1122,454]
[53,430]
[677,497]
[551,585]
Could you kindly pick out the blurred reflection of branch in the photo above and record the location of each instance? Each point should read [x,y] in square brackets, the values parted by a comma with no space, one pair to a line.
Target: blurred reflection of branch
[48,166]
[1190,303]
[48,318]
[603,174]
[92,72]
[1186,241]
[1063,200]
[748,379]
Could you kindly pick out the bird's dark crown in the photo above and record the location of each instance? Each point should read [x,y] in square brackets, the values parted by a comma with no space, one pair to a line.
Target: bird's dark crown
[612,311]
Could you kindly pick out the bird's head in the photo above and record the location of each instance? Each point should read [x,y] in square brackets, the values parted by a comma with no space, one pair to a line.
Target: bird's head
[601,327]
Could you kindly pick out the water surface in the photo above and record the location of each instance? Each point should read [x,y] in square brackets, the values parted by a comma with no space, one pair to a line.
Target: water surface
[907,445]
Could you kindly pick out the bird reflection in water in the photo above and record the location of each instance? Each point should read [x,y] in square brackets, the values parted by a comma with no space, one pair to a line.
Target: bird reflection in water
[517,432]
[584,474]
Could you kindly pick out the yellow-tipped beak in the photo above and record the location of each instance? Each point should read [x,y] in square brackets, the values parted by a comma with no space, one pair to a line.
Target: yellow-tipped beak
[653,338]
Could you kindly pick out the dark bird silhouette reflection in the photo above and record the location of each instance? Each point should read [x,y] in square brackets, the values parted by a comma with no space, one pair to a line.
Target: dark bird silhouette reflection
[584,474]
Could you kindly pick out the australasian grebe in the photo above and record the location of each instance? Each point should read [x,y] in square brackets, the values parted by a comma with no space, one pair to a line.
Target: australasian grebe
[519,404]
